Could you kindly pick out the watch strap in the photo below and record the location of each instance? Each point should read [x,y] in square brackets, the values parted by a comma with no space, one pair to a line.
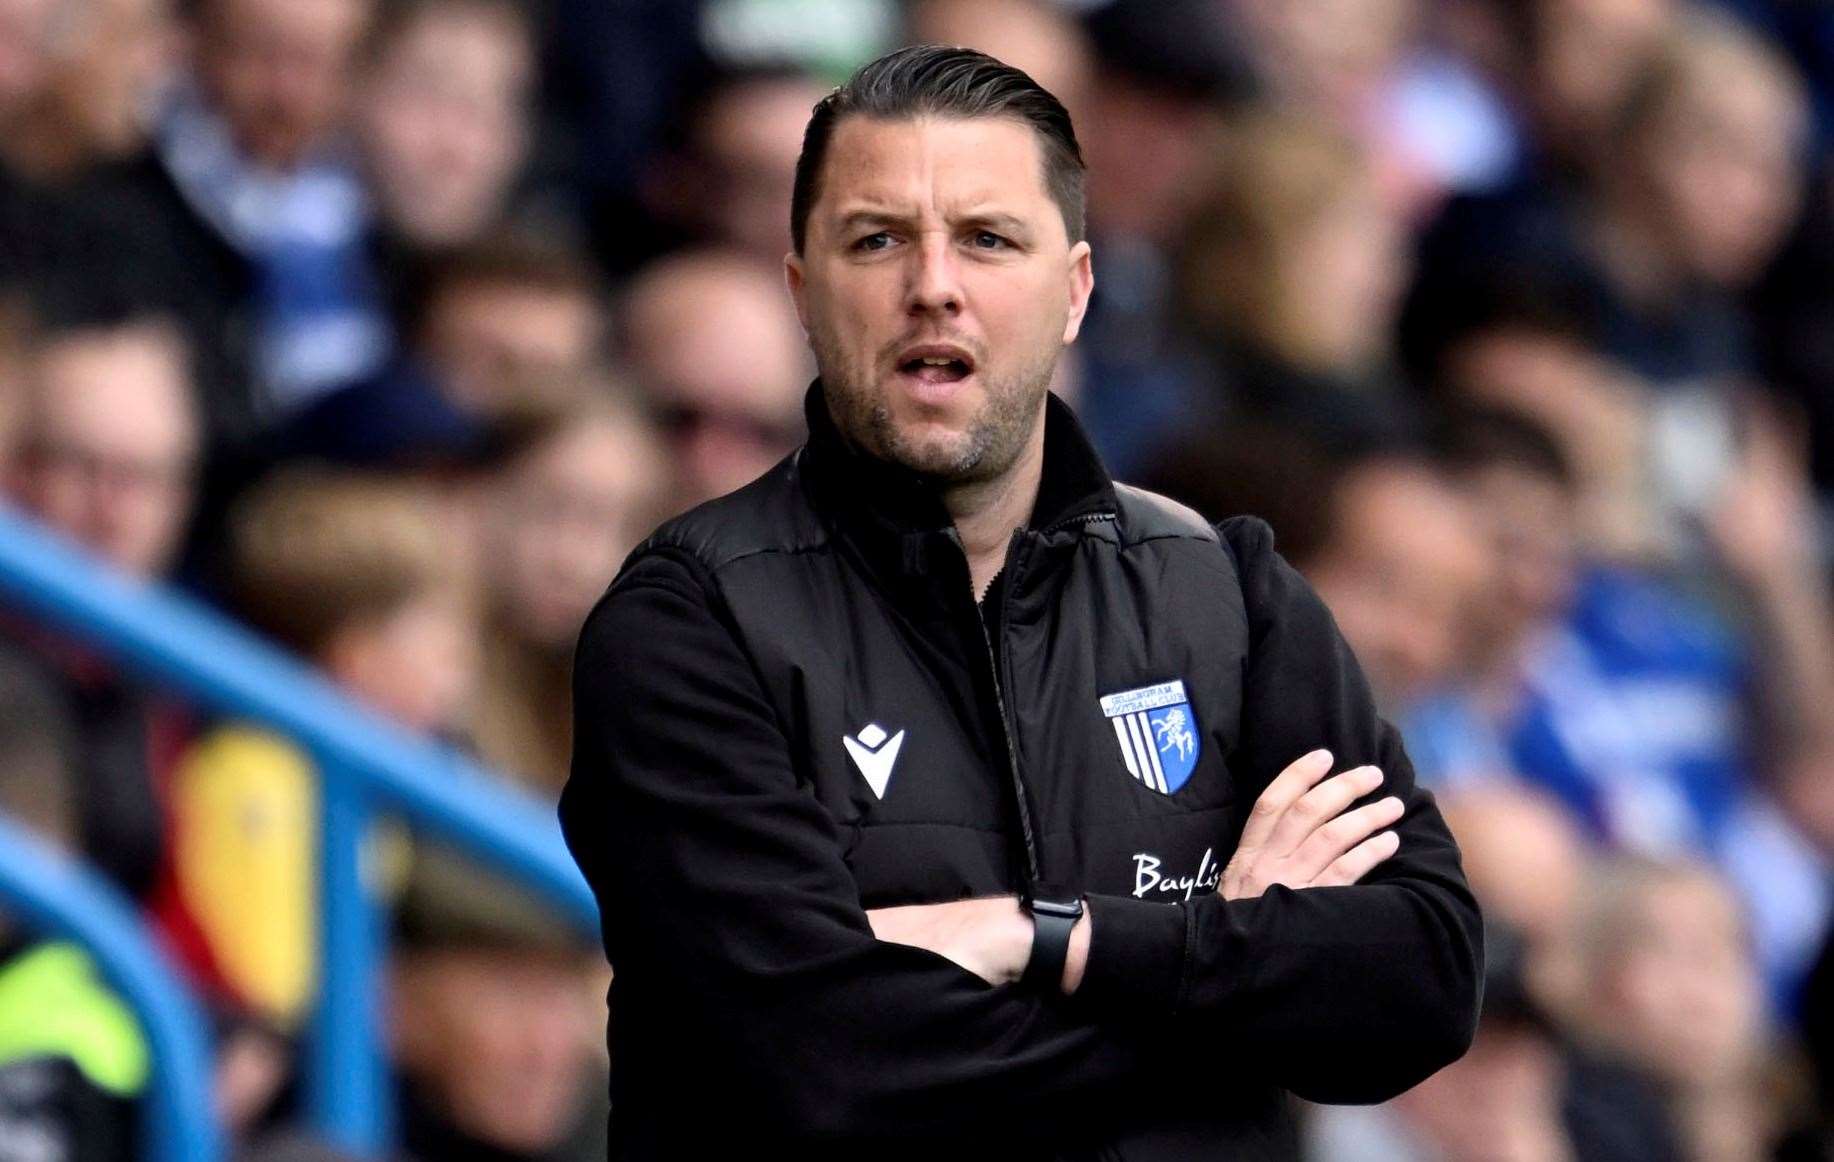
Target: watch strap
[1051,928]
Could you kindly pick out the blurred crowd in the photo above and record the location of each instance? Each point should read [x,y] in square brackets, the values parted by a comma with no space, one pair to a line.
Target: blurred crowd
[389,326]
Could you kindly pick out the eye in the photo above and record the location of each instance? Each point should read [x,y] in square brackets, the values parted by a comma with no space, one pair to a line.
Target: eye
[878,241]
[988,240]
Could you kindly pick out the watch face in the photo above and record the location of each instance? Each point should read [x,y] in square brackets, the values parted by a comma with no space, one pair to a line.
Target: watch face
[1068,908]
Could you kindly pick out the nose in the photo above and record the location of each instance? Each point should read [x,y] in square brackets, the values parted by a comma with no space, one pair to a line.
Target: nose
[934,287]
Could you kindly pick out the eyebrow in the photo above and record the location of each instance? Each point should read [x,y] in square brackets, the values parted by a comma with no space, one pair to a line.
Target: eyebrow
[993,219]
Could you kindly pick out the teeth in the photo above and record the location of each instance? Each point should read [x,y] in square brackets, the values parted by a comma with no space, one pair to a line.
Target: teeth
[938,362]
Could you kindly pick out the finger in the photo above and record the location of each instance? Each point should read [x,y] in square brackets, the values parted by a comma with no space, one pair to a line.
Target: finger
[1298,778]
[1319,806]
[1340,835]
[1359,861]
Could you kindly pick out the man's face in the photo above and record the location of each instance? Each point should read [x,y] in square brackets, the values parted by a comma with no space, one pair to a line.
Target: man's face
[937,285]
[563,517]
[110,445]
[500,1039]
[1401,574]
[1724,162]
[279,70]
[745,146]
[444,123]
[490,341]
[729,409]
[1531,523]
[1684,993]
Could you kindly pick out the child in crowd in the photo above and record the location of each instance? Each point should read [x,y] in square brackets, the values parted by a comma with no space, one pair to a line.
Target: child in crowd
[354,574]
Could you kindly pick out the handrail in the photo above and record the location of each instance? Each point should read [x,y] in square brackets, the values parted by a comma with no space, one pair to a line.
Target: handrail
[367,763]
[54,894]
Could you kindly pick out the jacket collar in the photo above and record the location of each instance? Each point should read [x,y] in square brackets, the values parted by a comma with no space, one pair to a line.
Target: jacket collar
[886,505]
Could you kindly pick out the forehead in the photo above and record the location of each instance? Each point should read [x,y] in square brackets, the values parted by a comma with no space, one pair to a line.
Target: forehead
[123,388]
[945,164]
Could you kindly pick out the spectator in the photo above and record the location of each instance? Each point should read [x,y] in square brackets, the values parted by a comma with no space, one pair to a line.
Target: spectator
[1586,679]
[108,447]
[361,576]
[505,325]
[726,180]
[579,490]
[1389,543]
[110,441]
[73,1059]
[444,116]
[1710,148]
[499,327]
[1689,193]
[108,65]
[1038,37]
[1583,56]
[1515,1096]
[260,222]
[1332,61]
[1526,1090]
[1166,74]
[1402,570]
[1672,986]
[1529,867]
[1290,274]
[1525,339]
[729,408]
[1364,69]
[491,1023]
[357,576]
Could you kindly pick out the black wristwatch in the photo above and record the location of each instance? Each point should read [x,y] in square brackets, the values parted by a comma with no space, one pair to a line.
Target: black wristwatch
[1055,909]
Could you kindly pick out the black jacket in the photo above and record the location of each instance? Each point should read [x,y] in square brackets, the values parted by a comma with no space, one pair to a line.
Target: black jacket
[735,667]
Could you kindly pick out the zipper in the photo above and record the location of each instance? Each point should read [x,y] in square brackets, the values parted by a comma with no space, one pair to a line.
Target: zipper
[1011,572]
[1087,518]
[1007,734]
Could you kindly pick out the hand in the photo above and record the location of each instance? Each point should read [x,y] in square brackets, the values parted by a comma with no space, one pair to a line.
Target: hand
[989,937]
[1763,521]
[1300,835]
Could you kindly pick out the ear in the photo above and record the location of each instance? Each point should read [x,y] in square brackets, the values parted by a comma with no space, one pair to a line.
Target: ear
[793,277]
[1082,283]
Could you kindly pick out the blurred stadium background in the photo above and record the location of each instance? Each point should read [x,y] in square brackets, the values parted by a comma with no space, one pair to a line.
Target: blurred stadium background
[384,328]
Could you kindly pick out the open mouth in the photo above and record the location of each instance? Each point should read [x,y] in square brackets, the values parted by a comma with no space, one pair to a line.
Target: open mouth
[937,365]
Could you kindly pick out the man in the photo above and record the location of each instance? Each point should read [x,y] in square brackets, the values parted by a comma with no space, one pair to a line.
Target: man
[491,1026]
[247,219]
[834,728]
[110,439]
[443,117]
[107,452]
[730,409]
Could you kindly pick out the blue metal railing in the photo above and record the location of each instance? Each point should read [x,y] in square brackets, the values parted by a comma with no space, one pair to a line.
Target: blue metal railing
[53,894]
[365,763]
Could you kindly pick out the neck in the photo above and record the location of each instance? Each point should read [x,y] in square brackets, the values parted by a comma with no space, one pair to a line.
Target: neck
[986,512]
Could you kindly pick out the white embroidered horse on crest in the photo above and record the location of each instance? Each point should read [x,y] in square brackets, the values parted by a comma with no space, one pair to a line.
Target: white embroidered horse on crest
[1174,730]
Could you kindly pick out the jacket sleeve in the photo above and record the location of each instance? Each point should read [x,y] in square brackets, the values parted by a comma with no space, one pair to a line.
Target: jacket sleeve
[725,899]
[1350,994]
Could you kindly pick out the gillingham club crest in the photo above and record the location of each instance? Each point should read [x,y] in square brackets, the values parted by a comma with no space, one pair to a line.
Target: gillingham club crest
[1157,732]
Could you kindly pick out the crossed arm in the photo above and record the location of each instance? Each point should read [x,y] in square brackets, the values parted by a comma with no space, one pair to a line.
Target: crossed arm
[1303,833]
[1342,952]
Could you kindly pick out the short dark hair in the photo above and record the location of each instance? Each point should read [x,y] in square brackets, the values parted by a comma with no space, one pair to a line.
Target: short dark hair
[937,80]
[1474,437]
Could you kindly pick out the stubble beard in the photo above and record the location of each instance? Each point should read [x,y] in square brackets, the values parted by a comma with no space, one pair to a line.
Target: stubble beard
[990,444]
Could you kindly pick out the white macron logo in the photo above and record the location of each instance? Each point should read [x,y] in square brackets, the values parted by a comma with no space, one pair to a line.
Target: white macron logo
[874,754]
